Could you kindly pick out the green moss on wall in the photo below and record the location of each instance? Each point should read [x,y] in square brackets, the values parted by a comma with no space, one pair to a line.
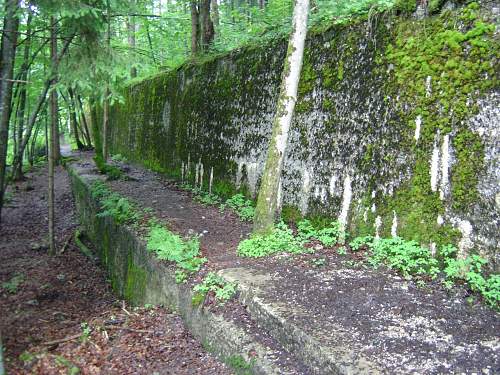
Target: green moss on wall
[469,153]
[136,281]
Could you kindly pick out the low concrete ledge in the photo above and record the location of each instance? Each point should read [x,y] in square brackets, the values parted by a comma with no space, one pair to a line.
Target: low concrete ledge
[140,278]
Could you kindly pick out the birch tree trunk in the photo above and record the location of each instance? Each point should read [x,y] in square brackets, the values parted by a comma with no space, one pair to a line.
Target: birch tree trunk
[267,201]
[8,55]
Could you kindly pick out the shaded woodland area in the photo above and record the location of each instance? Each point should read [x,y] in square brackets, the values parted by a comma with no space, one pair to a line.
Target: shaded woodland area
[110,205]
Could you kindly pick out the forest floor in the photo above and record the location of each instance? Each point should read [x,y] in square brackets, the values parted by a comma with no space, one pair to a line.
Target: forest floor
[59,314]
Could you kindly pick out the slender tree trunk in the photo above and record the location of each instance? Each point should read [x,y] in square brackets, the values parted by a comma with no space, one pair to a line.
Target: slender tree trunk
[8,53]
[83,121]
[207,26]
[47,115]
[267,201]
[73,122]
[131,40]
[105,117]
[215,15]
[18,166]
[195,21]
[52,139]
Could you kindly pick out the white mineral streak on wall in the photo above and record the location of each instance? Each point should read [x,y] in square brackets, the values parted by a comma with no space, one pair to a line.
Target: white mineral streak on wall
[365,215]
[305,191]
[465,244]
[182,171]
[210,182]
[374,208]
[435,164]
[280,193]
[418,124]
[433,248]
[239,174]
[166,116]
[394,227]
[346,201]
[428,86]
[196,174]
[188,167]
[251,174]
[440,220]
[333,184]
[378,224]
[445,165]
[201,174]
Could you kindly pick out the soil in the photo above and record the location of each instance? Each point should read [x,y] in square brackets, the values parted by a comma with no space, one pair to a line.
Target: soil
[62,315]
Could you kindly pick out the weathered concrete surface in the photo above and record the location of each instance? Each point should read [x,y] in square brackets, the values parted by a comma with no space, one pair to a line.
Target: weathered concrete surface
[140,278]
[334,319]
[301,310]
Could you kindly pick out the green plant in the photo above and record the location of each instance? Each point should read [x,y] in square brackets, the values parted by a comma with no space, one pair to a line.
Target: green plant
[171,247]
[180,276]
[119,158]
[318,262]
[470,270]
[212,282]
[119,208]
[328,235]
[357,243]
[27,357]
[207,198]
[13,284]
[238,363]
[407,257]
[281,239]
[242,206]
[85,332]
[342,250]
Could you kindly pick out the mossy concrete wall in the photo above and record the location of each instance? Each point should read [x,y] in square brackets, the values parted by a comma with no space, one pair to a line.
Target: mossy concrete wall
[396,130]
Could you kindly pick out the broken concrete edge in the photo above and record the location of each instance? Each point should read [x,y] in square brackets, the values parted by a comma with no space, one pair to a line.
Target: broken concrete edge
[309,349]
[137,276]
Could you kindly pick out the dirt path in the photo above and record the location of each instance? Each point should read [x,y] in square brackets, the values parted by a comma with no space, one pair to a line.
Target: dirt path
[46,299]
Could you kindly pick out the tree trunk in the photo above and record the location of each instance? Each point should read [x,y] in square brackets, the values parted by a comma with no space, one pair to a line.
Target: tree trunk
[207,26]
[83,121]
[105,117]
[131,40]
[52,137]
[215,14]
[195,18]
[267,201]
[17,171]
[8,53]
[73,122]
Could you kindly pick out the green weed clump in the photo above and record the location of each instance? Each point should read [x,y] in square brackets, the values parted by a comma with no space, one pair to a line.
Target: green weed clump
[171,247]
[212,282]
[122,210]
[13,284]
[407,257]
[242,206]
[413,260]
[281,239]
[328,235]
